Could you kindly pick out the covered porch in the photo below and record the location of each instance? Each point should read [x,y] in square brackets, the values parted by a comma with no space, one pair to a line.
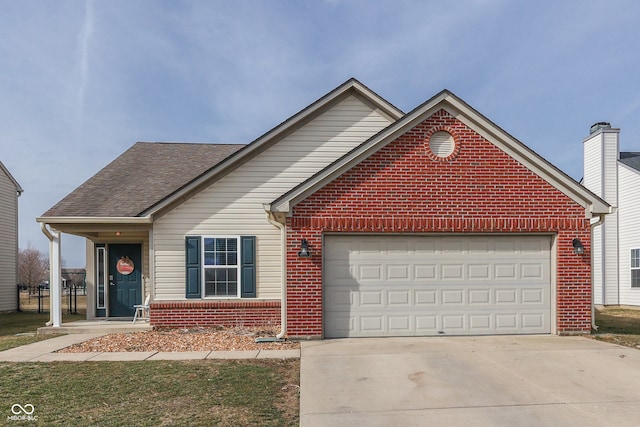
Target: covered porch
[118,271]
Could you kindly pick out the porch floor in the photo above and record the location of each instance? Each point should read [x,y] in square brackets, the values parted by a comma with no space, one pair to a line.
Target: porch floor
[101,326]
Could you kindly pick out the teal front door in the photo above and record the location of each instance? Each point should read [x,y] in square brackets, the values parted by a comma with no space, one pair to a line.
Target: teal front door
[125,279]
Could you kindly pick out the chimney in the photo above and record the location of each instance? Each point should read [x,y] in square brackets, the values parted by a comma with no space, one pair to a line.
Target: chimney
[600,125]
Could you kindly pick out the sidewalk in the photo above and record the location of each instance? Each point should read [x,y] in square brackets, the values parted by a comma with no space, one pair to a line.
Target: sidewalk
[45,351]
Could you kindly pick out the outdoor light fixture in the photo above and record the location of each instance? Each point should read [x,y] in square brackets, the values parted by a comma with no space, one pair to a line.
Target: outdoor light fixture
[578,247]
[304,249]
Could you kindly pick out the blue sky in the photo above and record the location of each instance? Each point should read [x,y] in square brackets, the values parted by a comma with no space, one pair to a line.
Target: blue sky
[80,82]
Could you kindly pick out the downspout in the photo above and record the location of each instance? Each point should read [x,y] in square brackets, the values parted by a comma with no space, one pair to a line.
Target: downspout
[593,306]
[283,268]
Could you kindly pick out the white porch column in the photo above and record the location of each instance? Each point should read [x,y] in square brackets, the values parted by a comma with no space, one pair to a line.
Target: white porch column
[55,275]
[54,281]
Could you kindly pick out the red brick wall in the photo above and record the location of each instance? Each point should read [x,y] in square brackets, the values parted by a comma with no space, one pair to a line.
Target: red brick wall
[405,188]
[184,314]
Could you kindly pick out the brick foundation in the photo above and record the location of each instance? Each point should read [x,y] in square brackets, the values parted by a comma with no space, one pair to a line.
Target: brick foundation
[184,314]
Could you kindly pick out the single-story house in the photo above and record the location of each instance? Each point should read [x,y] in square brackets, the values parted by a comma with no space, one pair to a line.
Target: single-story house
[349,219]
[614,176]
[10,190]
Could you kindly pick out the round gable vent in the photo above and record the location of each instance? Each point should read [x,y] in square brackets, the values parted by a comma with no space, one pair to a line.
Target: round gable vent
[442,144]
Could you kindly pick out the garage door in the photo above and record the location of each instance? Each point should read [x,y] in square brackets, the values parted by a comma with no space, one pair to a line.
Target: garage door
[423,285]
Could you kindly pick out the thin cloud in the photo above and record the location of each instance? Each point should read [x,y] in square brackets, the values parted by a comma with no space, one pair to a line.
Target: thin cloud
[84,38]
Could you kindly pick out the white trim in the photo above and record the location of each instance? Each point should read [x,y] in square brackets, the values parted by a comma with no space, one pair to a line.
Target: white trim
[214,267]
[94,220]
[105,276]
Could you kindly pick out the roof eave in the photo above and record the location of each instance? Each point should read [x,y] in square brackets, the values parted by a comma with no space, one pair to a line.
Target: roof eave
[94,220]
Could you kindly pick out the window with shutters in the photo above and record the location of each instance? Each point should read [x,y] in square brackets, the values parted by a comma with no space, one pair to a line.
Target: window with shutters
[220,266]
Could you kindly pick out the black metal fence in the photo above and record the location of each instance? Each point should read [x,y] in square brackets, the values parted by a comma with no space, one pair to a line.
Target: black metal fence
[38,299]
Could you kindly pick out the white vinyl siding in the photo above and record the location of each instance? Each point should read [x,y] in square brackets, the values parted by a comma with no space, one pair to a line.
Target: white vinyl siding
[629,230]
[8,243]
[601,177]
[234,204]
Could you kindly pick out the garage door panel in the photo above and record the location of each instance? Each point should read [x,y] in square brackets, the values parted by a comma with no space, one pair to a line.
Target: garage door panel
[425,285]
[400,298]
[478,272]
[506,296]
[451,271]
[425,297]
[398,272]
[452,296]
[480,296]
[424,271]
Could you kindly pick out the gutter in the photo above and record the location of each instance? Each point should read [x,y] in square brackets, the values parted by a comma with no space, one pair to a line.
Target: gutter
[283,268]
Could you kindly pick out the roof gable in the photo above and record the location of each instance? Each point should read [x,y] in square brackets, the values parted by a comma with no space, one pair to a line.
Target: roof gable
[457,108]
[351,87]
[19,189]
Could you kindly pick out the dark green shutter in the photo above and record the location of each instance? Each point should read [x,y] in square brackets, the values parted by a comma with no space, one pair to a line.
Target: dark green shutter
[194,267]
[248,266]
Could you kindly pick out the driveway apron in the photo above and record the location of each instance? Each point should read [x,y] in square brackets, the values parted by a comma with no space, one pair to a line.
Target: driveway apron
[469,381]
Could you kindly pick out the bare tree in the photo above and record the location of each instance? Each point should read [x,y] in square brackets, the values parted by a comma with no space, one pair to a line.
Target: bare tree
[33,267]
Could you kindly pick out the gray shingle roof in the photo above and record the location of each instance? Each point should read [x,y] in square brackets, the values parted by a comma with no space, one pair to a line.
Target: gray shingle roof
[140,177]
[630,159]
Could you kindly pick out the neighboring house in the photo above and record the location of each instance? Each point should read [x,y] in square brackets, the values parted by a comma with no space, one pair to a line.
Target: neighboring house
[73,277]
[351,218]
[615,177]
[10,190]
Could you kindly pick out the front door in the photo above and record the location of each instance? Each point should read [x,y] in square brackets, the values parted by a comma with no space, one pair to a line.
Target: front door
[125,279]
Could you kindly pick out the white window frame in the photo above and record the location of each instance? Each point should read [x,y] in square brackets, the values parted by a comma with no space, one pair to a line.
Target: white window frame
[101,250]
[632,268]
[205,267]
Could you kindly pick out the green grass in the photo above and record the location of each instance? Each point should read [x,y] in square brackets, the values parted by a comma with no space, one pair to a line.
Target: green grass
[619,326]
[159,393]
[25,323]
[149,393]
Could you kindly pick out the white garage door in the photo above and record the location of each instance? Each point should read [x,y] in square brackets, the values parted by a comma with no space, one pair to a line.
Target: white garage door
[424,285]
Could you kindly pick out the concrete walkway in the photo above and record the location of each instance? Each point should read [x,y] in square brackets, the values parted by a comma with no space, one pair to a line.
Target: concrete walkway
[469,381]
[45,351]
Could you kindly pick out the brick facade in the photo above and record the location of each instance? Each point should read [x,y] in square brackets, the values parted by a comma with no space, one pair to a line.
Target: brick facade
[183,314]
[405,188]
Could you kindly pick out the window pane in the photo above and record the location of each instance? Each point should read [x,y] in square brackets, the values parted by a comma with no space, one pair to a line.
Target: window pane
[220,259]
[635,258]
[221,245]
[221,282]
[232,245]
[232,258]
[208,245]
[208,258]
[635,278]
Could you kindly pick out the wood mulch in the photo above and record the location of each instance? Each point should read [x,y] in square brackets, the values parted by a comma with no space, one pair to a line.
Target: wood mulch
[191,339]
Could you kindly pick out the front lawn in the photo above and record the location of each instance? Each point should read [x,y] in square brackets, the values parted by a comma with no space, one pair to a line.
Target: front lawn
[26,323]
[154,393]
[619,326]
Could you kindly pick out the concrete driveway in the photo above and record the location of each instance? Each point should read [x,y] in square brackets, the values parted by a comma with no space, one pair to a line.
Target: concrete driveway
[469,381]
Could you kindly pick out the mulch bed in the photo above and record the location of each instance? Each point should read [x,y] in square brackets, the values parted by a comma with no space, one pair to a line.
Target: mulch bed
[192,339]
